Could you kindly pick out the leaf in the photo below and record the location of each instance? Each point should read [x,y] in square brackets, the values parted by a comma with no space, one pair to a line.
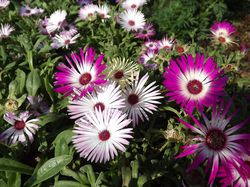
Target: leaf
[49,169]
[67,183]
[61,148]
[80,177]
[66,134]
[2,183]
[141,181]
[126,176]
[12,165]
[90,174]
[135,166]
[172,110]
[33,82]
[14,179]
[20,78]
[48,118]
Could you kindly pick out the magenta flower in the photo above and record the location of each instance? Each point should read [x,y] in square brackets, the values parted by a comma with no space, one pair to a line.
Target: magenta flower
[216,144]
[81,76]
[194,82]
[146,32]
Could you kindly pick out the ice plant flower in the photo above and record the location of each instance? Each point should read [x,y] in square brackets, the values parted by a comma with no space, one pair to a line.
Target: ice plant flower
[217,143]
[63,40]
[133,4]
[181,49]
[4,3]
[122,71]
[106,97]
[84,2]
[141,99]
[146,32]
[103,11]
[68,29]
[88,12]
[5,30]
[194,82]
[56,20]
[99,135]
[27,11]
[131,20]
[82,75]
[20,129]
[147,59]
[166,43]
[222,32]
[151,45]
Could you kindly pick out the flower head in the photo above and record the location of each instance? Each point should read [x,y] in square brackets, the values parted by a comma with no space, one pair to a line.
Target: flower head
[151,45]
[68,29]
[222,32]
[27,11]
[133,4]
[99,135]
[4,3]
[5,30]
[131,20]
[166,43]
[82,75]
[84,2]
[63,40]
[106,97]
[103,11]
[146,32]
[216,143]
[147,59]
[141,99]
[88,12]
[56,20]
[194,82]
[20,129]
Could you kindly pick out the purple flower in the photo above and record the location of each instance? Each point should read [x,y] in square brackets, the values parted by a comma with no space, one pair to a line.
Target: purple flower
[146,32]
[27,11]
[147,59]
[84,2]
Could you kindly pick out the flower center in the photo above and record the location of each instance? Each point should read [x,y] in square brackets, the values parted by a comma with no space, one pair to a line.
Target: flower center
[104,135]
[179,49]
[131,22]
[119,74]
[133,6]
[102,16]
[166,47]
[144,32]
[27,11]
[133,99]
[85,78]
[19,125]
[215,139]
[67,42]
[67,28]
[151,45]
[222,39]
[194,87]
[90,14]
[99,106]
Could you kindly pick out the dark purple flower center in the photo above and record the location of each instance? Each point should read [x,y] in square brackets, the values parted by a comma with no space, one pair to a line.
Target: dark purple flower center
[85,78]
[166,47]
[99,106]
[133,99]
[215,139]
[131,22]
[194,87]
[90,14]
[102,16]
[27,11]
[180,49]
[151,45]
[19,125]
[67,28]
[133,6]
[119,74]
[104,135]
[144,32]
[67,42]
[222,39]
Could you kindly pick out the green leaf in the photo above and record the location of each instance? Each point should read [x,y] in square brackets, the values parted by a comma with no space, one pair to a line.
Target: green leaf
[12,165]
[90,174]
[33,82]
[14,179]
[126,176]
[64,183]
[48,118]
[49,169]
[20,78]
[135,166]
[2,183]
[66,135]
[141,181]
[61,148]
[172,110]
[80,177]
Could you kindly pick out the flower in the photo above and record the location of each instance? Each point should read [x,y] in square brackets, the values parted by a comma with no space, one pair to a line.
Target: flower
[151,45]
[63,40]
[4,3]
[99,135]
[27,11]
[106,97]
[133,4]
[194,82]
[21,128]
[88,12]
[222,32]
[82,75]
[146,32]
[43,25]
[6,30]
[166,43]
[68,29]
[181,49]
[141,99]
[103,11]
[131,20]
[56,20]
[84,2]
[216,143]
[122,71]
[147,59]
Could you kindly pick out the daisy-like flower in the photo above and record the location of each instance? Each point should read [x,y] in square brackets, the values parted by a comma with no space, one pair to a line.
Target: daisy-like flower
[27,11]
[106,97]
[84,2]
[82,75]
[181,49]
[122,71]
[216,143]
[103,11]
[166,43]
[194,82]
[56,20]
[20,129]
[5,30]
[146,32]
[131,20]
[133,4]
[88,12]
[222,32]
[147,59]
[43,25]
[99,135]
[68,29]
[141,99]
[4,3]
[151,45]
[63,40]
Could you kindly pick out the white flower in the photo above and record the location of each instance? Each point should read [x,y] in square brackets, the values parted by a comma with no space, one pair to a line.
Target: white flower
[5,30]
[107,97]
[131,20]
[166,43]
[141,99]
[99,135]
[56,20]
[4,3]
[103,11]
[133,4]
[88,12]
[21,128]
[63,40]
[27,11]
